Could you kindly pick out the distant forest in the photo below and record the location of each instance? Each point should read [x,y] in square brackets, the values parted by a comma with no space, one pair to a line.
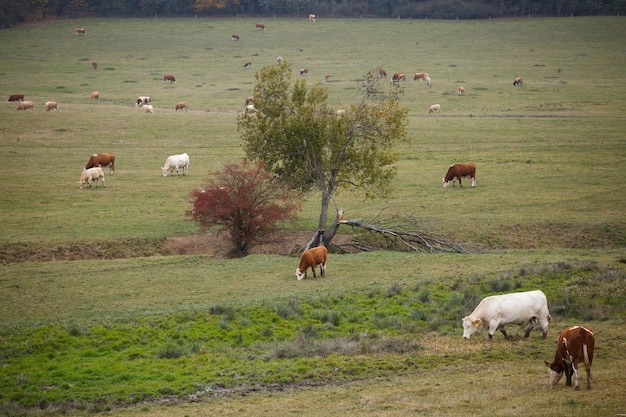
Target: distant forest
[16,11]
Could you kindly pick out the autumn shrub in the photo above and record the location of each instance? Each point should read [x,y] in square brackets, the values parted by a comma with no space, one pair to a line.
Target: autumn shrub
[246,201]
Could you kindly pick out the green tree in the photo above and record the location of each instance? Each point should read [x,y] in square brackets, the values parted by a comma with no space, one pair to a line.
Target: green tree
[301,139]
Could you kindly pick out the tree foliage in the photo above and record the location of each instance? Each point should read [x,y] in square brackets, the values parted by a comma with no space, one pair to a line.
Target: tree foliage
[302,140]
[246,201]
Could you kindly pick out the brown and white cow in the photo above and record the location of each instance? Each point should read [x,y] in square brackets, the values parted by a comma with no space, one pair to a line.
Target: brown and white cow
[247,65]
[80,31]
[398,76]
[102,160]
[420,76]
[382,73]
[460,91]
[95,96]
[312,17]
[518,81]
[279,60]
[94,65]
[310,259]
[169,77]
[327,77]
[458,171]
[16,97]
[26,105]
[234,37]
[141,100]
[260,26]
[183,105]
[435,108]
[574,345]
[249,100]
[304,71]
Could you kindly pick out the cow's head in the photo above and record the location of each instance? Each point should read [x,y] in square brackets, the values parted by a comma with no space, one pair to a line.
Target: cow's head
[445,183]
[300,275]
[555,372]
[470,325]
[164,170]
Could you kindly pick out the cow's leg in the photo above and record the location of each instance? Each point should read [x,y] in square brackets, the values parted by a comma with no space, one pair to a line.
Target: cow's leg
[575,369]
[528,330]
[473,182]
[504,333]
[314,271]
[103,183]
[322,269]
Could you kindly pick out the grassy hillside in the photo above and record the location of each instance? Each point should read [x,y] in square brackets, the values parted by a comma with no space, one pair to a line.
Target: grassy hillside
[380,335]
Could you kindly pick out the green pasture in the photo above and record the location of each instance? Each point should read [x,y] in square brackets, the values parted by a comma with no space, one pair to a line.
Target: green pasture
[550,158]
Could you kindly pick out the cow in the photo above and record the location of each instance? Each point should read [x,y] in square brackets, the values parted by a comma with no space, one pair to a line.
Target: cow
[169,77]
[183,105]
[249,100]
[80,31]
[102,160]
[460,91]
[420,76]
[16,97]
[398,76]
[382,73]
[147,108]
[574,345]
[95,96]
[310,259]
[327,77]
[175,162]
[312,17]
[91,174]
[94,65]
[279,60]
[518,81]
[495,311]
[260,26]
[458,171]
[247,65]
[52,105]
[435,108]
[26,105]
[304,71]
[141,100]
[234,37]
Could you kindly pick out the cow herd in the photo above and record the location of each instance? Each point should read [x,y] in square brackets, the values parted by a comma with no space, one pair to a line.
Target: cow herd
[94,173]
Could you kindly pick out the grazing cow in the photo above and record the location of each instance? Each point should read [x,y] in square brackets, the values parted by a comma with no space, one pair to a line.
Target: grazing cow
[16,97]
[91,174]
[382,73]
[247,65]
[310,259]
[304,71]
[427,80]
[50,105]
[327,77]
[312,17]
[249,100]
[174,162]
[94,65]
[518,81]
[574,345]
[460,91]
[169,77]
[183,105]
[147,108]
[458,171]
[435,108]
[420,76]
[279,60]
[260,26]
[141,100]
[495,311]
[234,37]
[26,105]
[95,96]
[80,31]
[398,76]
[102,160]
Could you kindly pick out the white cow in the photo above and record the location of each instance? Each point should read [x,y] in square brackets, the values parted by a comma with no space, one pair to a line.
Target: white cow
[91,174]
[147,108]
[175,162]
[495,311]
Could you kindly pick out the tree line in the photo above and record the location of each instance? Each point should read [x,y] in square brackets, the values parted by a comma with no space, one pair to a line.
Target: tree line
[15,11]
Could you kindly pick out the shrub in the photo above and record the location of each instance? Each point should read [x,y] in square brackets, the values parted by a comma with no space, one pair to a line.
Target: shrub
[246,201]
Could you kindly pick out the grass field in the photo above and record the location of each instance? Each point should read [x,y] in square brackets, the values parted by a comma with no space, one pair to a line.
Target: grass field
[548,211]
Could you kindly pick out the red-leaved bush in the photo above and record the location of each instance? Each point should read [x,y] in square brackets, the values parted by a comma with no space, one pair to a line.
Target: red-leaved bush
[247,201]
